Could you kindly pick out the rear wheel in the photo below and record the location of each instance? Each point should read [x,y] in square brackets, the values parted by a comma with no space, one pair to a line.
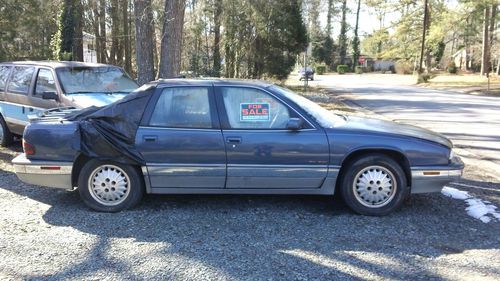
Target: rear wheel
[374,185]
[6,136]
[107,186]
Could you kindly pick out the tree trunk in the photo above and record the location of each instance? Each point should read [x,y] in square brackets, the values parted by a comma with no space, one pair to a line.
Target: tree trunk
[114,57]
[171,39]
[355,41]
[144,41]
[95,26]
[217,24]
[485,60]
[492,34]
[342,36]
[78,35]
[126,37]
[329,15]
[424,32]
[102,37]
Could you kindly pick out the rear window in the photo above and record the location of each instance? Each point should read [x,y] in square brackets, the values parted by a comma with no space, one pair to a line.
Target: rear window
[4,75]
[20,81]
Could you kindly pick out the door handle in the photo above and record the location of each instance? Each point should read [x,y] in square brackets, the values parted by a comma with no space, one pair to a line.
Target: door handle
[233,140]
[150,138]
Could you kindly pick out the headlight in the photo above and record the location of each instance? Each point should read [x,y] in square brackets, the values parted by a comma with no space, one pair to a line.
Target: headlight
[452,154]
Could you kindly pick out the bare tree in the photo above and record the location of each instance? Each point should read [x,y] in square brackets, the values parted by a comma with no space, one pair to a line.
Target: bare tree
[144,41]
[171,39]
[485,58]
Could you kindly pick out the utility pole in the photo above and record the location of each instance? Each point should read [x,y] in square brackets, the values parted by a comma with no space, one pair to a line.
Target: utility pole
[424,32]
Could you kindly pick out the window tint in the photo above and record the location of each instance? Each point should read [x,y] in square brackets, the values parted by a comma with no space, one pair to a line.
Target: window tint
[4,75]
[182,108]
[21,79]
[45,82]
[254,109]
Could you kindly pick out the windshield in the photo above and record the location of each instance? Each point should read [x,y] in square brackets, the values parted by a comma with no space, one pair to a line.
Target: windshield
[95,80]
[325,118]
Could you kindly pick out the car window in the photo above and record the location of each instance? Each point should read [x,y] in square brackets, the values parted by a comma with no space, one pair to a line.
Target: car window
[186,107]
[249,108]
[4,75]
[21,79]
[45,82]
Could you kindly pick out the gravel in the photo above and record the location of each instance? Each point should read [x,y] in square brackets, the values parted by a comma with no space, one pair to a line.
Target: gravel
[49,234]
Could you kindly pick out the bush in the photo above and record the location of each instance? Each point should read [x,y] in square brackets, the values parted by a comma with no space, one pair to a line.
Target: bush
[403,67]
[452,68]
[342,68]
[358,70]
[320,69]
[423,78]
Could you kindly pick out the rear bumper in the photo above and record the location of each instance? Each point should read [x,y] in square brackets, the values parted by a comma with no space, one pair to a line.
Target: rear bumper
[46,173]
[433,178]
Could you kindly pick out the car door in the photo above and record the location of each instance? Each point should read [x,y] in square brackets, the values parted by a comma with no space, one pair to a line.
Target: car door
[45,82]
[16,106]
[181,140]
[261,151]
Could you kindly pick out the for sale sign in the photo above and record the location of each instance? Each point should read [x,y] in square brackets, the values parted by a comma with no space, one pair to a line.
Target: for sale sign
[254,112]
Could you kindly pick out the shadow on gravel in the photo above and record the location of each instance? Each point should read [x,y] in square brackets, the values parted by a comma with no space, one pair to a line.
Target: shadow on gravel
[261,237]
[265,237]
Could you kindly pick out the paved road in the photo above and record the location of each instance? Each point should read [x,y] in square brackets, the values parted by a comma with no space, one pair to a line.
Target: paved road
[471,122]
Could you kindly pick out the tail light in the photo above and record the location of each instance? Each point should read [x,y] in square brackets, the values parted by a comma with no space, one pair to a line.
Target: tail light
[28,148]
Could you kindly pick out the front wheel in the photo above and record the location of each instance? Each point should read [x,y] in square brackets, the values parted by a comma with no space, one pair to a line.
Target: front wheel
[107,186]
[374,185]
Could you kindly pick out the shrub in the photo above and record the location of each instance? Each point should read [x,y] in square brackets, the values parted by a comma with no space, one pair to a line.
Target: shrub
[342,68]
[321,69]
[452,68]
[358,70]
[423,78]
[403,67]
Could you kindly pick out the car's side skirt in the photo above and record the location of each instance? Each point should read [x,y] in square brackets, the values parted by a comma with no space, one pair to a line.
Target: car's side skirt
[327,187]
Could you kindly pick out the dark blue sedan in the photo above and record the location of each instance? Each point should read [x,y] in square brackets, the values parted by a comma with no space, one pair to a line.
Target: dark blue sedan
[232,137]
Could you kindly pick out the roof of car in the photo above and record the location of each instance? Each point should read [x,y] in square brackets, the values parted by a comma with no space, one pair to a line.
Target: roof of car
[210,81]
[56,64]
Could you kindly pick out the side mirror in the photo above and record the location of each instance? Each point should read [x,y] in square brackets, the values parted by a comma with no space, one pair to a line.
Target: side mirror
[50,95]
[295,124]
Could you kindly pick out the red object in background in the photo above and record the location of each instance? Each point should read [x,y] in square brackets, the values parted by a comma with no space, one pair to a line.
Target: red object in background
[361,60]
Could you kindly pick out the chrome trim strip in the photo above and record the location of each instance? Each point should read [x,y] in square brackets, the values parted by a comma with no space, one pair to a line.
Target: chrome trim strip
[183,165]
[20,104]
[433,173]
[276,166]
[240,165]
[16,121]
[267,130]
[180,129]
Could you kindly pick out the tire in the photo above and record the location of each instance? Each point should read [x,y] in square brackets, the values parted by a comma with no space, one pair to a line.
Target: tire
[6,137]
[107,186]
[374,185]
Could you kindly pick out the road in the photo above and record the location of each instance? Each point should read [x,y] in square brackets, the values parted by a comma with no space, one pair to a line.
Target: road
[472,122]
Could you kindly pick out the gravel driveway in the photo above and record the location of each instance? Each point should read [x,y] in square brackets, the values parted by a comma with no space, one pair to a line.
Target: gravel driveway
[49,234]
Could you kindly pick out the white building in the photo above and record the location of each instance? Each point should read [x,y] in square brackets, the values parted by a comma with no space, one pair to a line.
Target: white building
[89,51]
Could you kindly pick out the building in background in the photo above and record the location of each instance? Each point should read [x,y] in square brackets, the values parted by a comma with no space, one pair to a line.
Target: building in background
[89,51]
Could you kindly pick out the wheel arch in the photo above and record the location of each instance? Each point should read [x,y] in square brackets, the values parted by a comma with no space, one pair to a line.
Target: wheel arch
[392,153]
[80,161]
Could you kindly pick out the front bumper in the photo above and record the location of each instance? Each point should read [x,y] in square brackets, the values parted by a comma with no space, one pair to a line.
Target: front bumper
[45,173]
[432,178]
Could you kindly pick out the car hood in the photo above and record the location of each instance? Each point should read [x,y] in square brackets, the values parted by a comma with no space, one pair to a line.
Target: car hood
[94,99]
[389,127]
